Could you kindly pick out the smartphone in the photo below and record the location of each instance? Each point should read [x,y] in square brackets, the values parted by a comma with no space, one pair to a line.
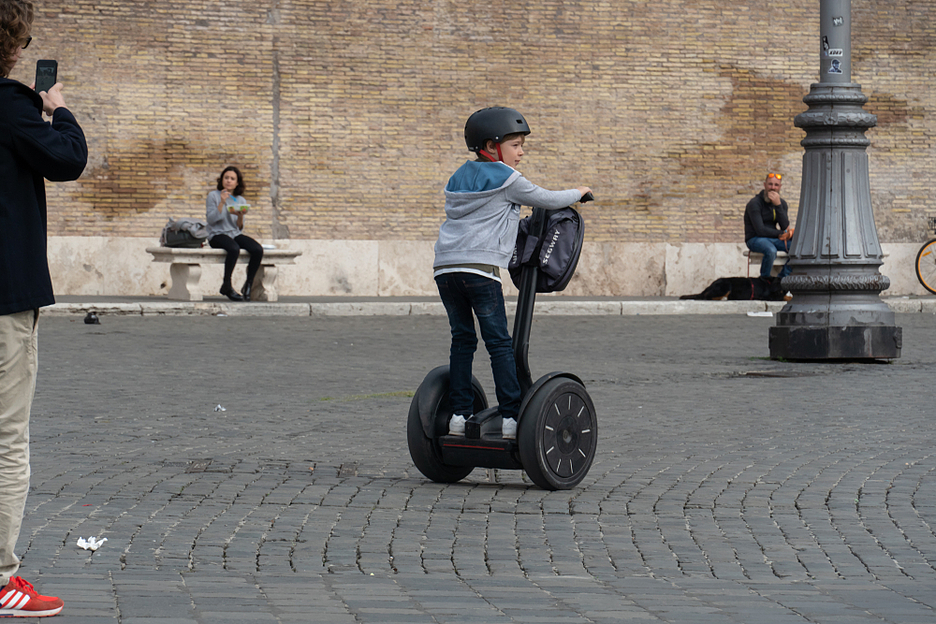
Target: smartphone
[46,75]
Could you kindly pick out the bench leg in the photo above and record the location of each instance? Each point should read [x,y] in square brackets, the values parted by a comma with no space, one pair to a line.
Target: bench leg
[755,259]
[185,279]
[264,286]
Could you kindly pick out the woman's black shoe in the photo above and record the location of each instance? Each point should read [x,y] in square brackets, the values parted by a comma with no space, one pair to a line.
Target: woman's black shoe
[231,294]
[246,290]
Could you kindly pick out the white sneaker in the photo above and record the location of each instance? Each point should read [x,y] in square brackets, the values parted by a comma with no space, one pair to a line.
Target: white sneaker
[457,425]
[509,430]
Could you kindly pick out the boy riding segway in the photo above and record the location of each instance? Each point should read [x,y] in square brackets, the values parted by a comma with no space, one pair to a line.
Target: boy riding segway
[482,211]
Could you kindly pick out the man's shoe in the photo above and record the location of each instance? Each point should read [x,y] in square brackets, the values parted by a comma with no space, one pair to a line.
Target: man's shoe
[246,290]
[457,425]
[231,294]
[20,599]
[509,429]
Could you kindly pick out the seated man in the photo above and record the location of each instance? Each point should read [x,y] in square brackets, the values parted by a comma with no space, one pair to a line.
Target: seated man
[766,225]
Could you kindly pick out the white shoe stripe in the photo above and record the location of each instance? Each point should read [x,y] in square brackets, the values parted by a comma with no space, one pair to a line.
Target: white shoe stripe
[23,602]
[11,597]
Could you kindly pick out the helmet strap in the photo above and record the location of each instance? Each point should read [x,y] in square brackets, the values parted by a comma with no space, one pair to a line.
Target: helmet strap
[500,156]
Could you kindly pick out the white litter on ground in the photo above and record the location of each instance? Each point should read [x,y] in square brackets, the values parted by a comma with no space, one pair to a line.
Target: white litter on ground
[92,543]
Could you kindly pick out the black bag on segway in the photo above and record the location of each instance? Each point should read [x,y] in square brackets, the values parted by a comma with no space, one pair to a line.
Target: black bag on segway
[556,255]
[184,233]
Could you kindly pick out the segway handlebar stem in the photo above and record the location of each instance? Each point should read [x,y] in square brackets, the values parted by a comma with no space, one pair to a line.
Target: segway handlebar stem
[526,301]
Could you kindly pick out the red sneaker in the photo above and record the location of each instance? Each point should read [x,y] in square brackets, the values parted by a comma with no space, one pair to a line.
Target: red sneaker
[20,599]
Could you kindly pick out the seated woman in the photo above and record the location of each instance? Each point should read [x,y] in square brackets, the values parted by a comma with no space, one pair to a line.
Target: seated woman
[225,217]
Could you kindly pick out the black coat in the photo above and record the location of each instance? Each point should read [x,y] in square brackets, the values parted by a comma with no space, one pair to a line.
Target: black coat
[31,150]
[761,218]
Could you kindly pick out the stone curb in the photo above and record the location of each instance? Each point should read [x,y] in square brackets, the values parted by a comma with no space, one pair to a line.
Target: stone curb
[547,306]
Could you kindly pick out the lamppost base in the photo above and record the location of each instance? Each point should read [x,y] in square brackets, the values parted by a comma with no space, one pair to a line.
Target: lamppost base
[858,342]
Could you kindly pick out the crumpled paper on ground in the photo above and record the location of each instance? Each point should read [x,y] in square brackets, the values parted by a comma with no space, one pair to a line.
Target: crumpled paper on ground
[92,543]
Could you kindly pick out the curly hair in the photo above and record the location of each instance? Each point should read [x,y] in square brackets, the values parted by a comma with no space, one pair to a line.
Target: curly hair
[239,189]
[16,17]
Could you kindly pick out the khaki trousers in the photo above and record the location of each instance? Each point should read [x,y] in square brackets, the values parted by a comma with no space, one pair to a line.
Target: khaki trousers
[19,363]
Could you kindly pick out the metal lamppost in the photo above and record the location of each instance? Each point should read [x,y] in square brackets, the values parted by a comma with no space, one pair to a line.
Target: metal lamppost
[836,312]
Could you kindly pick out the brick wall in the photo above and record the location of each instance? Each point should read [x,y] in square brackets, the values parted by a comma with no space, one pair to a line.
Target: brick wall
[346,115]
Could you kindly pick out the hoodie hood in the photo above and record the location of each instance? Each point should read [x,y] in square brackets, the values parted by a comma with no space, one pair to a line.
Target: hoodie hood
[477,177]
[480,225]
[472,186]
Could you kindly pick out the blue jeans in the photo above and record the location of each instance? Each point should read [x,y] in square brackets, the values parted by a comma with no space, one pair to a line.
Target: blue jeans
[769,247]
[462,294]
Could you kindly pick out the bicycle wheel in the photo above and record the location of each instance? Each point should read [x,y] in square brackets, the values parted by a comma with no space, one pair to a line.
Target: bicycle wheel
[926,266]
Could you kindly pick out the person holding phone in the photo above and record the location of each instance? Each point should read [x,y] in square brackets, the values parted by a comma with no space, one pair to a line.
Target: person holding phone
[225,209]
[32,150]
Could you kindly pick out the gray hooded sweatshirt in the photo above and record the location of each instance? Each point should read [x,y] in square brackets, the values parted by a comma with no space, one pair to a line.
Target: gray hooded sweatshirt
[482,210]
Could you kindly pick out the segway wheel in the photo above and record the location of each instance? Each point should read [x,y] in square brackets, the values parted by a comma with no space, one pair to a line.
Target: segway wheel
[427,453]
[558,434]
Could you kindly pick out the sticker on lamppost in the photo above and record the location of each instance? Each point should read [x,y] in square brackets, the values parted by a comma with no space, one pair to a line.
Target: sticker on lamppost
[827,51]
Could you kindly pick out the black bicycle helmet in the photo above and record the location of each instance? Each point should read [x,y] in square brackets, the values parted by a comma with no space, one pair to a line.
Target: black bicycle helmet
[493,124]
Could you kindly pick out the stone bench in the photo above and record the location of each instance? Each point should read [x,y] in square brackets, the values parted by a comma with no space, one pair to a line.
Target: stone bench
[756,258]
[782,258]
[185,270]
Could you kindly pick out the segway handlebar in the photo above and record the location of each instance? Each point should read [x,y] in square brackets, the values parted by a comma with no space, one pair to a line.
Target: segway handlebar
[587,197]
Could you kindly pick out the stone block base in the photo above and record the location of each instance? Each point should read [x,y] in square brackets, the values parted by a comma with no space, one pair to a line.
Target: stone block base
[858,342]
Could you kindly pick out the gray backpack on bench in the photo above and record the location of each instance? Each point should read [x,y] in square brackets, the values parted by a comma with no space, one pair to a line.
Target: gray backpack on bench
[184,233]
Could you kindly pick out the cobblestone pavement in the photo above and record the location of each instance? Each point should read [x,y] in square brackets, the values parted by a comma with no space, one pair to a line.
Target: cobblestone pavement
[727,487]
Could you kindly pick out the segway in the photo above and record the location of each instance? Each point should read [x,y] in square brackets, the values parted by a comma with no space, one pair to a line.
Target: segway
[557,432]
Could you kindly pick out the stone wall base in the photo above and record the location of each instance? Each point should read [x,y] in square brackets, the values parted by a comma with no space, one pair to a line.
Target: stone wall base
[367,268]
